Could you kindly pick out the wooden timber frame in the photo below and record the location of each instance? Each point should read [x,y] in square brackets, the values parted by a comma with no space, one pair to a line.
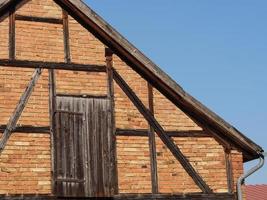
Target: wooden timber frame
[156,77]
[111,118]
[161,133]
[196,196]
[152,144]
[153,82]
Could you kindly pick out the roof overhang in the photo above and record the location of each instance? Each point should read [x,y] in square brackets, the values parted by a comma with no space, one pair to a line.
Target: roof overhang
[152,73]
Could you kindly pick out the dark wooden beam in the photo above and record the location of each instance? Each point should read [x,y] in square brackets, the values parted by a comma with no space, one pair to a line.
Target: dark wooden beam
[38,19]
[82,96]
[52,65]
[152,144]
[145,133]
[19,109]
[132,132]
[111,117]
[12,34]
[66,36]
[191,196]
[187,134]
[52,110]
[229,170]
[161,133]
[28,129]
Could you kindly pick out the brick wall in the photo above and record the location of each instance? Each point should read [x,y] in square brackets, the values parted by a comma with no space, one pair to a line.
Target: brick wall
[237,163]
[25,163]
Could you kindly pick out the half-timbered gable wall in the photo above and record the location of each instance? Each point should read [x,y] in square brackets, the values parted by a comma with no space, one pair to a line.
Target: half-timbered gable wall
[26,162]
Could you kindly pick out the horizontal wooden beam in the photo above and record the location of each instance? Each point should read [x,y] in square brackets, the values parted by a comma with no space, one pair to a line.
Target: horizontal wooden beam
[27,129]
[83,96]
[145,133]
[191,196]
[52,65]
[38,19]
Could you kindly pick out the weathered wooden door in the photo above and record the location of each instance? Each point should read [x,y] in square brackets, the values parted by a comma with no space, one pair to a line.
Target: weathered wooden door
[84,148]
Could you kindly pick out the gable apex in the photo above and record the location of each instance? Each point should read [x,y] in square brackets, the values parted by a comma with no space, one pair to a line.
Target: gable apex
[151,72]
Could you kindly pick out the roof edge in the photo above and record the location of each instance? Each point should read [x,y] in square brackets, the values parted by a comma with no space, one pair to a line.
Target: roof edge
[175,91]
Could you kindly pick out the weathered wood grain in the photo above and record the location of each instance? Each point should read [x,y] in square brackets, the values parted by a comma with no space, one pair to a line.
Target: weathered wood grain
[83,96]
[113,178]
[12,34]
[229,170]
[190,196]
[83,149]
[28,129]
[152,145]
[52,65]
[52,108]
[38,19]
[145,133]
[66,38]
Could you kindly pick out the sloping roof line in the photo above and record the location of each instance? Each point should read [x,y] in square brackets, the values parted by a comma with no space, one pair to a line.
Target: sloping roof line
[151,72]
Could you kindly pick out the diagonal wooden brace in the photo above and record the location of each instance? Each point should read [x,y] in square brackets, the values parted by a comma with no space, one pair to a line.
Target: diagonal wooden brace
[161,133]
[19,109]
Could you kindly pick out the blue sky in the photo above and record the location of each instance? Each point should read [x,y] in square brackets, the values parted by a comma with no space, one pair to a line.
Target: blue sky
[216,50]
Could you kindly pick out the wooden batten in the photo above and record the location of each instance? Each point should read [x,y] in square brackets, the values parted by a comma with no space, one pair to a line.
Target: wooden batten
[38,19]
[82,95]
[52,109]
[111,117]
[12,34]
[152,145]
[229,170]
[66,36]
[52,65]
[28,129]
[161,133]
[191,196]
[145,133]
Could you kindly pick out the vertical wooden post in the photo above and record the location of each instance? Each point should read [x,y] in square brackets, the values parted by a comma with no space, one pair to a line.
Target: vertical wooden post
[152,145]
[12,34]
[113,182]
[66,36]
[229,170]
[52,109]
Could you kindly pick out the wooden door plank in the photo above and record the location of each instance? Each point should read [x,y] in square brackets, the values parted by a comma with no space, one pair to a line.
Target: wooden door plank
[19,108]
[70,155]
[161,133]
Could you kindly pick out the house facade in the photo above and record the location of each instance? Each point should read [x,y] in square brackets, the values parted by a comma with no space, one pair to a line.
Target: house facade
[83,113]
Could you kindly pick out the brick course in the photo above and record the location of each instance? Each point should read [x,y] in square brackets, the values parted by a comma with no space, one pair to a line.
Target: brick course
[25,163]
